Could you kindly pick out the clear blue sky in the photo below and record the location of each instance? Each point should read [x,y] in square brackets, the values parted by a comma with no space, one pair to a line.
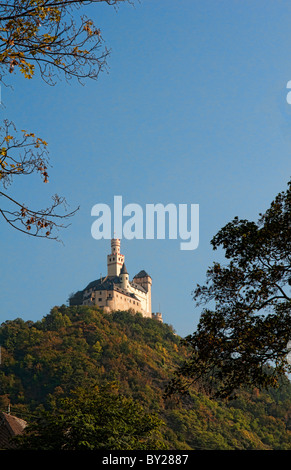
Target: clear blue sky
[192,110]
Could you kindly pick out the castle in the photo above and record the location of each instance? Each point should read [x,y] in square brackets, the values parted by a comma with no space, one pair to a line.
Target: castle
[115,291]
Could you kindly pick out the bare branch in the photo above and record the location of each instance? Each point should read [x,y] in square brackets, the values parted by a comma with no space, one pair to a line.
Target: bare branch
[24,156]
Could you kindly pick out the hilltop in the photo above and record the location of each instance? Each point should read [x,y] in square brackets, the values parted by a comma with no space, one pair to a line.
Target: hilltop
[79,346]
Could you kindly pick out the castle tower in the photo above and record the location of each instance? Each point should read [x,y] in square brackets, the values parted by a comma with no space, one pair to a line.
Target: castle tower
[124,277]
[145,280]
[115,260]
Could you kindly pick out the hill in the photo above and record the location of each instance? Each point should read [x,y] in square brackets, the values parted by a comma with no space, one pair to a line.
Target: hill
[79,346]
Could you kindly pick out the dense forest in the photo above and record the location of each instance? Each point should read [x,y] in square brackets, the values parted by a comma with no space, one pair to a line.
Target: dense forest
[79,347]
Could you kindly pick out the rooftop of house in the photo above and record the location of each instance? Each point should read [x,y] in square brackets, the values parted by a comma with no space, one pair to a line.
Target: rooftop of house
[10,426]
[14,424]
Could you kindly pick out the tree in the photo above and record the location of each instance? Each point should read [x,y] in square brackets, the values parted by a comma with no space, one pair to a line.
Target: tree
[46,35]
[242,341]
[53,38]
[24,156]
[97,418]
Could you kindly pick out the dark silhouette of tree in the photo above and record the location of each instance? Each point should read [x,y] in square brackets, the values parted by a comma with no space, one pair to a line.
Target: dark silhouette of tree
[243,340]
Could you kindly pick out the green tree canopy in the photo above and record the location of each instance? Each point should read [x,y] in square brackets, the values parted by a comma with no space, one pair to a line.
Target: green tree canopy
[91,419]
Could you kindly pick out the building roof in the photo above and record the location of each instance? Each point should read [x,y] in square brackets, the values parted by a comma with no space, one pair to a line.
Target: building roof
[142,274]
[123,269]
[110,283]
[104,283]
[14,424]
[10,426]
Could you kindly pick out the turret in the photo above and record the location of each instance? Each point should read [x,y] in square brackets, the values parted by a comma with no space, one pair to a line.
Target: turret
[115,260]
[157,316]
[124,277]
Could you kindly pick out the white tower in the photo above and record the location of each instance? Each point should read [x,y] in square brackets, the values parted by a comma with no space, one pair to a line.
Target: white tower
[115,260]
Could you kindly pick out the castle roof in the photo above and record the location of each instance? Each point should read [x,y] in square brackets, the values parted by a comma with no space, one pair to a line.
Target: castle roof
[104,283]
[142,274]
[110,283]
[123,269]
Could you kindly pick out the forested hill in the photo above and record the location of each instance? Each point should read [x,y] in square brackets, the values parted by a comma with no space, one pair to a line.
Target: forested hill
[80,346]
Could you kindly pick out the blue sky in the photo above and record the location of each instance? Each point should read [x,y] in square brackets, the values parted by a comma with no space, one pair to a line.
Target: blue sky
[192,110]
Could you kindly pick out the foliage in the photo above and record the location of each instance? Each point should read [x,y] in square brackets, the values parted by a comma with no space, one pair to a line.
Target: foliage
[21,156]
[46,34]
[81,348]
[91,419]
[243,341]
[54,38]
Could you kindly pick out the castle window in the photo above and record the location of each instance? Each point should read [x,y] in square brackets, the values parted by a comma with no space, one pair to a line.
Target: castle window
[100,299]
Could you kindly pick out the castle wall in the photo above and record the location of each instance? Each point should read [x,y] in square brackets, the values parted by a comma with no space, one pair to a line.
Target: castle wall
[143,296]
[112,300]
[146,283]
